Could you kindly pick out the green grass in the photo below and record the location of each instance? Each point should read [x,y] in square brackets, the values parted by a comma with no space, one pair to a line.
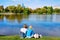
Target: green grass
[18,38]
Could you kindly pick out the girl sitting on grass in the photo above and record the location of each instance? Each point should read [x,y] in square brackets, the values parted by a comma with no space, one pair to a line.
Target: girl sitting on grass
[23,31]
[29,33]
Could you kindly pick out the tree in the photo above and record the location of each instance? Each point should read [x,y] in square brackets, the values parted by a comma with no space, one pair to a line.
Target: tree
[49,10]
[30,10]
[57,10]
[11,8]
[1,9]
[38,10]
[45,8]
[19,9]
[6,9]
[26,11]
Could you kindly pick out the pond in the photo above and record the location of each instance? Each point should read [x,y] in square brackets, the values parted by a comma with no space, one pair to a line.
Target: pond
[47,25]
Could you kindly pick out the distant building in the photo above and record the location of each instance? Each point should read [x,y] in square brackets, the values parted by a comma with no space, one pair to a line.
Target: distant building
[23,5]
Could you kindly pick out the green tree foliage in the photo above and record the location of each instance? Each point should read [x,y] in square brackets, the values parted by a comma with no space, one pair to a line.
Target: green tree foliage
[38,10]
[19,9]
[1,9]
[6,9]
[57,10]
[45,8]
[26,10]
[11,8]
[49,10]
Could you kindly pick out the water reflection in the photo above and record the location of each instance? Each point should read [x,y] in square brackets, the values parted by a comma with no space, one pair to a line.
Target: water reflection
[44,18]
[1,18]
[44,24]
[33,17]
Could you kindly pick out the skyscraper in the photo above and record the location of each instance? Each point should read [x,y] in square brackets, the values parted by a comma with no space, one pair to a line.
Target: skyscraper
[23,5]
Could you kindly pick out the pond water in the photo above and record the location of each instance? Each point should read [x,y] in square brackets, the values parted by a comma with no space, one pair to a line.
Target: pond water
[48,25]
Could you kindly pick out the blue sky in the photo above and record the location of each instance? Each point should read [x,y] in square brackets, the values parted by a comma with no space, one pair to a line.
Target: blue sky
[31,3]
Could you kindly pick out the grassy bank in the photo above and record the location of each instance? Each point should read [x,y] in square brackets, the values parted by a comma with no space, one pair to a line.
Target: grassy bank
[18,38]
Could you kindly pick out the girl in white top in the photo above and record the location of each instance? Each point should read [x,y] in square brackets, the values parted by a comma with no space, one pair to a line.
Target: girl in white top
[23,31]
